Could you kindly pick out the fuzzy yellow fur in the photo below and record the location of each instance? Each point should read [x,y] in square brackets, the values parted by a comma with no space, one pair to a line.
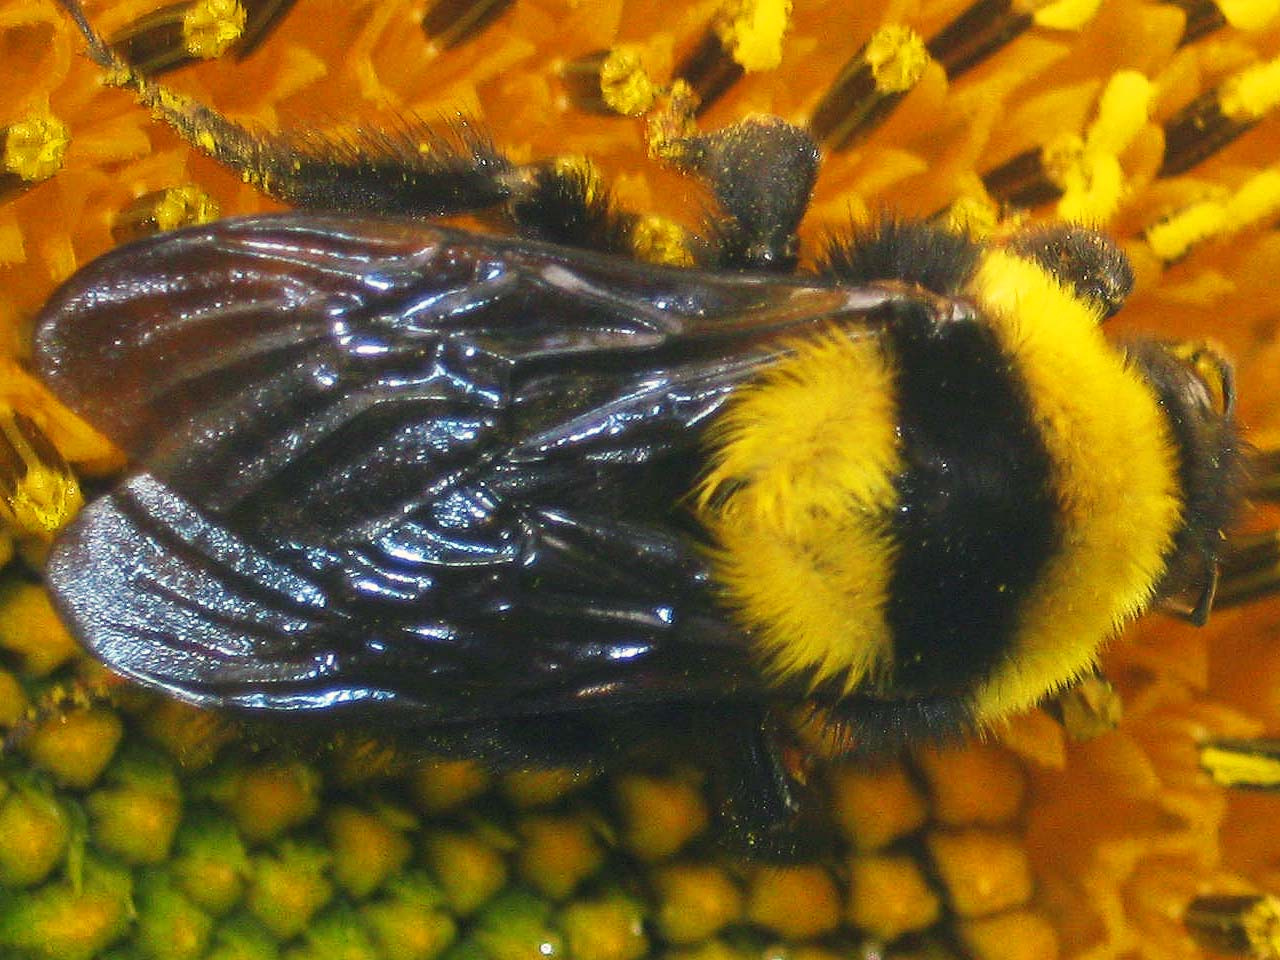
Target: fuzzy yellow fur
[801,491]
[801,481]
[1114,473]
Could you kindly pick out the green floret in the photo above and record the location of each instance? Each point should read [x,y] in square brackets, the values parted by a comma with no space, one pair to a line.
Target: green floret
[694,901]
[170,925]
[14,702]
[659,815]
[135,813]
[191,736]
[608,928]
[517,926]
[211,864]
[30,631]
[557,853]
[408,922]
[437,786]
[75,747]
[542,787]
[243,938]
[290,888]
[266,798]
[469,870]
[69,921]
[34,833]
[337,935]
[367,849]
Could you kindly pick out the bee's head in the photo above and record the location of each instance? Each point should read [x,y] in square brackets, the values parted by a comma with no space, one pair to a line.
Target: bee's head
[1195,388]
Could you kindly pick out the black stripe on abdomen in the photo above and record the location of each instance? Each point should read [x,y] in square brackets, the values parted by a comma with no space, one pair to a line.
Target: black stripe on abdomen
[977,519]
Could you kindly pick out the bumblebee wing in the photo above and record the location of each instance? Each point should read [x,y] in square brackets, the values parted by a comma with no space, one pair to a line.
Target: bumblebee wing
[166,594]
[265,367]
[402,468]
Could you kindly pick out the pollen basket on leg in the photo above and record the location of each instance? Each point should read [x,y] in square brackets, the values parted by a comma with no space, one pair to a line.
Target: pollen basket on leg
[798,499]
[1114,478]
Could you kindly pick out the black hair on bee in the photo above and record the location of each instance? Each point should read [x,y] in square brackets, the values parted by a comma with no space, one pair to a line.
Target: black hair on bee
[537,502]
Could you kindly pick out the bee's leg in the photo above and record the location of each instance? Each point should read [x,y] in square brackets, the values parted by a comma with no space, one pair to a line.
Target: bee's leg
[764,809]
[412,169]
[925,253]
[1245,566]
[1250,569]
[761,172]
[566,200]
[406,171]
[1087,261]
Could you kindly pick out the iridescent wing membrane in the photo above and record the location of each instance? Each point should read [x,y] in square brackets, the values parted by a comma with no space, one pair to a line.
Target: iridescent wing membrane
[416,475]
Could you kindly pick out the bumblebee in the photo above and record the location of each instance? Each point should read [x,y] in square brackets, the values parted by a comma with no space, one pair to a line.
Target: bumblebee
[537,503]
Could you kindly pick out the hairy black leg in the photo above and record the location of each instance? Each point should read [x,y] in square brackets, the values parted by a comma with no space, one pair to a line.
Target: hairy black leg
[412,169]
[567,201]
[764,810]
[1085,260]
[761,172]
